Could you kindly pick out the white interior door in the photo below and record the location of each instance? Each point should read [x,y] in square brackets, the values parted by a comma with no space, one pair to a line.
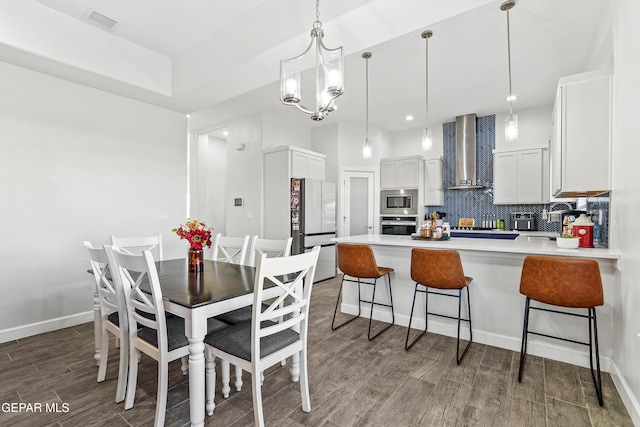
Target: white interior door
[358,203]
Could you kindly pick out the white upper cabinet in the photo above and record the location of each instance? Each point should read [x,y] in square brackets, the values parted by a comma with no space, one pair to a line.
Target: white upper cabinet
[401,172]
[305,164]
[580,152]
[433,183]
[280,165]
[518,177]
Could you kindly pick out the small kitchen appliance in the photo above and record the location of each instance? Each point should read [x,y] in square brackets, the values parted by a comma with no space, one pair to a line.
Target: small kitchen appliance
[523,221]
[583,228]
[568,217]
[399,202]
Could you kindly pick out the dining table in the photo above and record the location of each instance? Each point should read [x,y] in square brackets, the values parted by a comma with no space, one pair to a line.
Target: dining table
[196,296]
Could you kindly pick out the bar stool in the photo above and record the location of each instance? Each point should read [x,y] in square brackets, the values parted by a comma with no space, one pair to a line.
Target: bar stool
[563,282]
[358,261]
[439,269]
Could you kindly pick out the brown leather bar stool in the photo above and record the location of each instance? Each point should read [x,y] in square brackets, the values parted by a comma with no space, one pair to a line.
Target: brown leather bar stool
[358,262]
[563,282]
[439,269]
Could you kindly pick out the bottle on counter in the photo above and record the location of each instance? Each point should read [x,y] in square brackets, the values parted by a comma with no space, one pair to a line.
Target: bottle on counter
[446,229]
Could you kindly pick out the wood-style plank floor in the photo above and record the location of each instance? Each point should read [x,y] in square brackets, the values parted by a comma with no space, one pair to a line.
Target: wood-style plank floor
[353,382]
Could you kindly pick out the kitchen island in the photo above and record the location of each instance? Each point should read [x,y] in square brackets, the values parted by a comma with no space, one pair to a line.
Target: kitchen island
[497,306]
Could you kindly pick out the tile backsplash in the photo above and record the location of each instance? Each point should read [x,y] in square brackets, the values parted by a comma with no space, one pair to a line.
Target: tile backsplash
[477,203]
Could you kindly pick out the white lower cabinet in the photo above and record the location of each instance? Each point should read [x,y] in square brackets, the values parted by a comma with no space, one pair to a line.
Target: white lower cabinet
[518,177]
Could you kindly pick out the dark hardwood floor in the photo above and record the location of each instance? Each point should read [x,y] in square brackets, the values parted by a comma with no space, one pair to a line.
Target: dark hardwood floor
[353,382]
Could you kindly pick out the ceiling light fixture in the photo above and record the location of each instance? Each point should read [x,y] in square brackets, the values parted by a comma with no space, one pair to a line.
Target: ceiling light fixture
[427,137]
[367,150]
[511,121]
[329,65]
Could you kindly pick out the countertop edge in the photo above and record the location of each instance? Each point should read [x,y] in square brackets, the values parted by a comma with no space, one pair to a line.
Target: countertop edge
[533,247]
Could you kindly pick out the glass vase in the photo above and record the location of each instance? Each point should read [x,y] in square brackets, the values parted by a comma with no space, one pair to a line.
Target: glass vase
[195,260]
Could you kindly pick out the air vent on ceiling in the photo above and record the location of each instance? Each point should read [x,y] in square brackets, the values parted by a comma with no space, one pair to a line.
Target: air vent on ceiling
[100,20]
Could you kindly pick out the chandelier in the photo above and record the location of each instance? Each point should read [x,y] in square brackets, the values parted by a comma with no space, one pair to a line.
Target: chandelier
[329,68]
[510,121]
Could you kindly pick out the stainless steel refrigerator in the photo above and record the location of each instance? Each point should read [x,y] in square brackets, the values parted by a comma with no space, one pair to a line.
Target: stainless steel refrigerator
[313,222]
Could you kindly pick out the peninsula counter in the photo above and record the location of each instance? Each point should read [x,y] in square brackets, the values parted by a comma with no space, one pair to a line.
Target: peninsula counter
[497,307]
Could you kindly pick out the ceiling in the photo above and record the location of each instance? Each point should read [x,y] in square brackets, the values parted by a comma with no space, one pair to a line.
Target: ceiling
[221,58]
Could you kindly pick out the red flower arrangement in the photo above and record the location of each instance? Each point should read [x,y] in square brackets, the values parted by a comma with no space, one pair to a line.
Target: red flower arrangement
[196,233]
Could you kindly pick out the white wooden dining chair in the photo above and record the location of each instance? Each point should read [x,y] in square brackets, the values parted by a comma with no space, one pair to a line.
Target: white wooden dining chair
[257,246]
[263,342]
[135,245]
[271,247]
[150,331]
[113,317]
[230,249]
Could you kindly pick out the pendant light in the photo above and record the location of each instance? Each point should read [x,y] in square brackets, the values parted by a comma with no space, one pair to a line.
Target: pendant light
[329,66]
[427,137]
[366,148]
[510,121]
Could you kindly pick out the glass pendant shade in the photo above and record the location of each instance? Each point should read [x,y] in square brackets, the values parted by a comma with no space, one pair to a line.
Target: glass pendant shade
[511,127]
[366,149]
[427,139]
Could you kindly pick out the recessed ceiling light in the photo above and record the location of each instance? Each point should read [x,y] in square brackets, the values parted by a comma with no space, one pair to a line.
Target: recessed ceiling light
[512,97]
[225,133]
[409,118]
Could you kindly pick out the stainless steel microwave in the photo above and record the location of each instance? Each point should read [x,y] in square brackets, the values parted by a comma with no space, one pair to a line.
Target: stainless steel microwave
[399,202]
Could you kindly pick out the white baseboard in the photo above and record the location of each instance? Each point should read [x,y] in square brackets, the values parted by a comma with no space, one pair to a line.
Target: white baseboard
[626,394]
[45,326]
[544,349]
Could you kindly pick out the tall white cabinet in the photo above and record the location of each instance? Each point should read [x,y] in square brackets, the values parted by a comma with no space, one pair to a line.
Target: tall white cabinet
[580,151]
[280,165]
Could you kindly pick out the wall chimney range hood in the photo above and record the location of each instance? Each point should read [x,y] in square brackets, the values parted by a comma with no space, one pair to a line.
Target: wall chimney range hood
[466,153]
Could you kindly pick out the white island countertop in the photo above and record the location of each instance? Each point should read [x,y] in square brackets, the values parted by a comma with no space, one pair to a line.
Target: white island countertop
[521,245]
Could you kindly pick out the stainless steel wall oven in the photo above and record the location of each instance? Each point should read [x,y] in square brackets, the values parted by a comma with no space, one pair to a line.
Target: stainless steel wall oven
[401,226]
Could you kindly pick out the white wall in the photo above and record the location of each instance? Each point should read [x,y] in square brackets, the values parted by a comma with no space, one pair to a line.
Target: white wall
[216,193]
[77,164]
[409,143]
[244,176]
[277,131]
[326,140]
[534,128]
[625,201]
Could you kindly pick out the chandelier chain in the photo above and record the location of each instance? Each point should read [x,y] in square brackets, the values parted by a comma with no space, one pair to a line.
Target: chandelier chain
[317,24]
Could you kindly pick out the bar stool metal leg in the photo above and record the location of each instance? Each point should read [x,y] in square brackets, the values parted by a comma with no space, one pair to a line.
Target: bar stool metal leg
[373,298]
[407,346]
[598,382]
[525,335]
[459,358]
[333,328]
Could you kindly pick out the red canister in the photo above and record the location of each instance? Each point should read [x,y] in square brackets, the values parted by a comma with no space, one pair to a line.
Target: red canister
[583,228]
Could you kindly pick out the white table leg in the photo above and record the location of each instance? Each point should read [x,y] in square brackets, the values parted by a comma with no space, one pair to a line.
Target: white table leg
[196,381]
[97,327]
